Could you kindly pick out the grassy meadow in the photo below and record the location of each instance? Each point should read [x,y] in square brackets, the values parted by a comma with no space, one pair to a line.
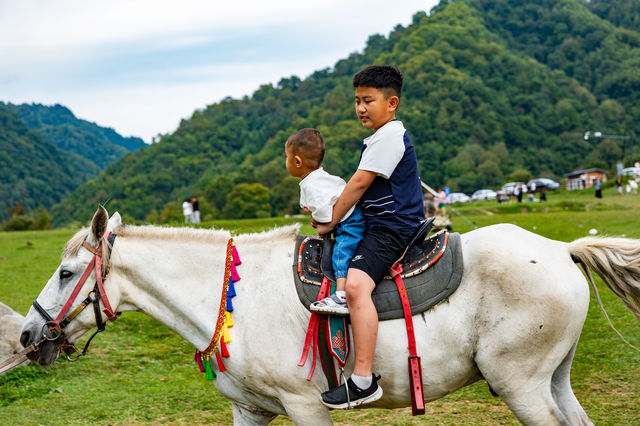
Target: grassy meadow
[139,372]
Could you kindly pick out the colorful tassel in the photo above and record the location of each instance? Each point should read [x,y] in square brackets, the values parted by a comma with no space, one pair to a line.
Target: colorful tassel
[229,305]
[220,364]
[231,292]
[198,360]
[210,373]
[223,348]
[236,257]
[228,319]
[234,273]
[225,333]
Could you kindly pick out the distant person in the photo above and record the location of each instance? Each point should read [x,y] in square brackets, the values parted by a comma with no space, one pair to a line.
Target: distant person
[319,191]
[430,208]
[187,211]
[598,188]
[441,199]
[619,185]
[634,186]
[196,210]
[518,193]
[628,188]
[543,195]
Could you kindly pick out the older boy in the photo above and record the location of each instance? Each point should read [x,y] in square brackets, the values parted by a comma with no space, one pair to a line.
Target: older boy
[387,187]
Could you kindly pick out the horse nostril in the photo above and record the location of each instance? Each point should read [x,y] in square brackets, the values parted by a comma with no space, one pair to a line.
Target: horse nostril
[25,338]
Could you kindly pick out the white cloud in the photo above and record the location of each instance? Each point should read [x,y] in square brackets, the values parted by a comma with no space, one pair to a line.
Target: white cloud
[140,66]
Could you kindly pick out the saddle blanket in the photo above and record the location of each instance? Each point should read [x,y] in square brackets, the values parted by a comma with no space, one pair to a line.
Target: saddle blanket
[432,272]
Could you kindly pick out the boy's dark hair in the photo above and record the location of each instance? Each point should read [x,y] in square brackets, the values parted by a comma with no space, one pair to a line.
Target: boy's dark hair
[385,78]
[309,144]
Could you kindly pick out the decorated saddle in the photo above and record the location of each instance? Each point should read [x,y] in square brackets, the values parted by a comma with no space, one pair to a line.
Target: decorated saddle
[432,271]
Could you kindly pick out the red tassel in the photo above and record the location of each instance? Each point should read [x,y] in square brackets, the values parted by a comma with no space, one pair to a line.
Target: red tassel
[223,348]
[236,257]
[220,364]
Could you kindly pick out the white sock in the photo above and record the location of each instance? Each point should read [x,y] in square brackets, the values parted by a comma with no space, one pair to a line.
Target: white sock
[341,294]
[362,382]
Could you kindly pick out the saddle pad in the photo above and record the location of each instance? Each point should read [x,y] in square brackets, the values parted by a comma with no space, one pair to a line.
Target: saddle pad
[427,283]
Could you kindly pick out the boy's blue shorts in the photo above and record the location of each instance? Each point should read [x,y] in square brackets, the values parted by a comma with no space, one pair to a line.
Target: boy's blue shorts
[348,233]
[379,250]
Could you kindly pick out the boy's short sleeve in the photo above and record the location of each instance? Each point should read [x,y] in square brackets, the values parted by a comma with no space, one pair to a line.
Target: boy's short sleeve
[384,150]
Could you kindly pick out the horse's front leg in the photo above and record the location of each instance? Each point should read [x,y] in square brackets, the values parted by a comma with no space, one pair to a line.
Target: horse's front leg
[306,411]
[247,415]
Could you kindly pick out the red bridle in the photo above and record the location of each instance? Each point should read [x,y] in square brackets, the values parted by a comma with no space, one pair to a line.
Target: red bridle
[55,327]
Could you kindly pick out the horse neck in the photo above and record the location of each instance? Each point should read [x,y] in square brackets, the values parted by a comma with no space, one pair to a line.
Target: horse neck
[175,281]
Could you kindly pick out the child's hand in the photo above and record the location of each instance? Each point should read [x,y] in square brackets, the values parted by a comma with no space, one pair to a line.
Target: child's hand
[324,228]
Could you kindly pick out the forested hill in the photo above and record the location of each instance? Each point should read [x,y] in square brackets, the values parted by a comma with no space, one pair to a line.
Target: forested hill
[32,171]
[493,90]
[98,145]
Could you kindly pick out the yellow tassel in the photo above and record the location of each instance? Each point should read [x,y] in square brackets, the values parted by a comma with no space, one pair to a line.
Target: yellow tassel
[225,333]
[228,319]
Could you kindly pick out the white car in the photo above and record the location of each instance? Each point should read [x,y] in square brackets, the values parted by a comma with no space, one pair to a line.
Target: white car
[510,187]
[484,194]
[457,197]
[631,171]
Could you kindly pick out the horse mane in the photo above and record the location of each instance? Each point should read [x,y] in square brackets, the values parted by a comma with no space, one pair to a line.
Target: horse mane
[177,234]
[220,236]
[288,232]
[72,248]
[207,235]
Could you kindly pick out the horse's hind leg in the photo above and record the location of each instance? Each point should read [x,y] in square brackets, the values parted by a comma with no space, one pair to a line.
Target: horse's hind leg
[563,394]
[525,385]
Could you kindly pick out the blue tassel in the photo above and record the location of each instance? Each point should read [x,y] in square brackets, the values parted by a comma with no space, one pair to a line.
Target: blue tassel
[232,289]
[229,304]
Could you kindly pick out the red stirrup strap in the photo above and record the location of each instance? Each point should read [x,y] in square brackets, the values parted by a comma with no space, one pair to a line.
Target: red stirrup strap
[415,367]
[312,330]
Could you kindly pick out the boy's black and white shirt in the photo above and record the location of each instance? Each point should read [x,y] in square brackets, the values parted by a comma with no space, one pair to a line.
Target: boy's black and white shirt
[394,199]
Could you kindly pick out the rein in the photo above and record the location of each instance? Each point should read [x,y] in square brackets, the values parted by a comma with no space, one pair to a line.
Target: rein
[54,329]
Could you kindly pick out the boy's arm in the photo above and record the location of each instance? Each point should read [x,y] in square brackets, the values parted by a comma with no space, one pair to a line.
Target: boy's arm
[357,185]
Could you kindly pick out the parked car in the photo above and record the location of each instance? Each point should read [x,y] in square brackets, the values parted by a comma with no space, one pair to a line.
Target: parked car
[542,183]
[631,171]
[484,194]
[457,197]
[510,187]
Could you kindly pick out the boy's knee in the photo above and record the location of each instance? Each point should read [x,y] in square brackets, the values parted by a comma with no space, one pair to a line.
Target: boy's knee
[359,284]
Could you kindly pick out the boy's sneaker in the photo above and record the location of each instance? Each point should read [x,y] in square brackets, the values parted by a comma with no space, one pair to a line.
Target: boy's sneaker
[337,397]
[330,305]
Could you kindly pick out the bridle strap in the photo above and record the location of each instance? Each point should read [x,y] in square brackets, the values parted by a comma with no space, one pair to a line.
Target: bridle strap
[78,287]
[58,325]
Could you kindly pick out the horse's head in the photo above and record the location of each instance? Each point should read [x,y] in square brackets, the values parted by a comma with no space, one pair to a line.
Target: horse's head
[58,318]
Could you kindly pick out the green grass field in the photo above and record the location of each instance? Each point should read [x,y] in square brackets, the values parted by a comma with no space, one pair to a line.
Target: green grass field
[139,372]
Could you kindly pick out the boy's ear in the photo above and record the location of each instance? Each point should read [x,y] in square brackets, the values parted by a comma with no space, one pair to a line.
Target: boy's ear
[394,101]
[298,160]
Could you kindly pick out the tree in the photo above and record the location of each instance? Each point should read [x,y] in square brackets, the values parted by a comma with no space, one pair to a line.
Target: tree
[246,201]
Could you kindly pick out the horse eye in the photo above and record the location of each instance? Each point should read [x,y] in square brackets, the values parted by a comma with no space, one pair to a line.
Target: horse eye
[64,275]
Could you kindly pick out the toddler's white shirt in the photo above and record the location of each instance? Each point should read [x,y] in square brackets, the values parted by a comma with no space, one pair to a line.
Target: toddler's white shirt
[319,191]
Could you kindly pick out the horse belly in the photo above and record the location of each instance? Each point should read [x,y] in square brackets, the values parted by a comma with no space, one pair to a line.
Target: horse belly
[444,345]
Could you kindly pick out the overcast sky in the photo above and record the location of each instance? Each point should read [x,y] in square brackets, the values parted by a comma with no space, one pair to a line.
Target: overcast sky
[140,66]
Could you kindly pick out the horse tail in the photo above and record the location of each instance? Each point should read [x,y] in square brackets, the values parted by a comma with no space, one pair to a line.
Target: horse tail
[617,262]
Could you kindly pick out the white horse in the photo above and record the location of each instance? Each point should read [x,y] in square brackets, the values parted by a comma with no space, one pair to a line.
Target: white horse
[514,321]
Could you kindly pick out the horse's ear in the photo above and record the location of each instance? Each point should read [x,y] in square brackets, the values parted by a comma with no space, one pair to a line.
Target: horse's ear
[98,225]
[115,222]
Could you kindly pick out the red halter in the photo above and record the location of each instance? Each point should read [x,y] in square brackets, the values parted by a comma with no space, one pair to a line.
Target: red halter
[55,328]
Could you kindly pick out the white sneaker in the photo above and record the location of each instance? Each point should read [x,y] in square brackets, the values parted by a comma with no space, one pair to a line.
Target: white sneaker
[330,305]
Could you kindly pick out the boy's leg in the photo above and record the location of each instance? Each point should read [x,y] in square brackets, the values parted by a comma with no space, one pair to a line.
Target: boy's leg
[364,320]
